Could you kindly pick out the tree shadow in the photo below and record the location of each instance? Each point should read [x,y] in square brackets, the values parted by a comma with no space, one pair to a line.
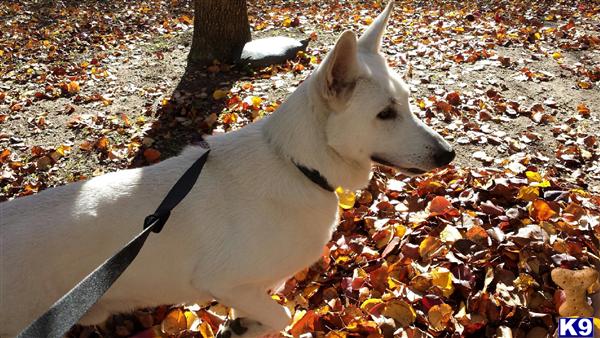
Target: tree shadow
[47,12]
[183,119]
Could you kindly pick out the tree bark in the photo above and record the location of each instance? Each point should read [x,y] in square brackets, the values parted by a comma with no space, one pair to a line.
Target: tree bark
[221,30]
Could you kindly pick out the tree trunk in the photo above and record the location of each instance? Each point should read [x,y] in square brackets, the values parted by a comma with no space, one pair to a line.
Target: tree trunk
[221,30]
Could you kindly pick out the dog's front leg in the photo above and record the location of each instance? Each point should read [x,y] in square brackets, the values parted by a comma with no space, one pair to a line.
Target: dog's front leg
[260,316]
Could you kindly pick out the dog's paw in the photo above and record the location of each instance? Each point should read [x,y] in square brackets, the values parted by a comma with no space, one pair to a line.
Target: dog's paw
[246,328]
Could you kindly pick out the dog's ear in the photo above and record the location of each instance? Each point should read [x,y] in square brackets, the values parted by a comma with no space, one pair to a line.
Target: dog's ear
[370,41]
[340,70]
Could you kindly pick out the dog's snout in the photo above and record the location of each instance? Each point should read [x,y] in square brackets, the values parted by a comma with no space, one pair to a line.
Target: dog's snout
[444,157]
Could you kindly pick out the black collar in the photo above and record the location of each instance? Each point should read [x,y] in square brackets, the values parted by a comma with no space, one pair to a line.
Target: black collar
[315,176]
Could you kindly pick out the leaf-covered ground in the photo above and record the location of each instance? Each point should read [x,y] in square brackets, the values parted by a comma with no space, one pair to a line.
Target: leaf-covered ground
[92,87]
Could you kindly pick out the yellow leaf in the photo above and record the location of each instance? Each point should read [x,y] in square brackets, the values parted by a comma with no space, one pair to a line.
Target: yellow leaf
[368,20]
[527,193]
[442,278]
[429,246]
[524,282]
[219,94]
[346,198]
[336,334]
[556,55]
[206,330]
[190,317]
[73,87]
[256,101]
[286,22]
[400,311]
[399,230]
[533,176]
[63,149]
[369,303]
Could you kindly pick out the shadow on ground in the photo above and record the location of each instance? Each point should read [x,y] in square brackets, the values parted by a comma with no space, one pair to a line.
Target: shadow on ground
[182,119]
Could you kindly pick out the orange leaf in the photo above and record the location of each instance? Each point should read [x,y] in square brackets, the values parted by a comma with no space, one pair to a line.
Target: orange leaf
[305,324]
[540,210]
[151,155]
[583,110]
[4,155]
[73,87]
[102,143]
[186,20]
[440,206]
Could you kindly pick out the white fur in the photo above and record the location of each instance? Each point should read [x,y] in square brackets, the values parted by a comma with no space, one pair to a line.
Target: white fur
[252,219]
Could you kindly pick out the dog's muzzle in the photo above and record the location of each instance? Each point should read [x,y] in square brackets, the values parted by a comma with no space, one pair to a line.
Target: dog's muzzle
[444,157]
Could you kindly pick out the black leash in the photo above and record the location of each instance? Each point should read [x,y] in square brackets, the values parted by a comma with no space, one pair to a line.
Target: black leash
[67,311]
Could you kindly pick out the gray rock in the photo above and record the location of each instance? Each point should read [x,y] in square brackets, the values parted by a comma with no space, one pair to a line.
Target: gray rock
[271,50]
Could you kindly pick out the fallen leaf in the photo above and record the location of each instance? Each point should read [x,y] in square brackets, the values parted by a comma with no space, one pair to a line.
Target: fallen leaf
[151,155]
[400,311]
[346,198]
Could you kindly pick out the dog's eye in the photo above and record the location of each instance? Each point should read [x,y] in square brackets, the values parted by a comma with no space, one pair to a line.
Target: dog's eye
[387,114]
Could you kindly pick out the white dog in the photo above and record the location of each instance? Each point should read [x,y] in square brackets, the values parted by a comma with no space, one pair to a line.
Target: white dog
[255,216]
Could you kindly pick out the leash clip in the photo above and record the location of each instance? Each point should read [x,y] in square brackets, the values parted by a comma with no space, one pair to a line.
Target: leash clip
[159,219]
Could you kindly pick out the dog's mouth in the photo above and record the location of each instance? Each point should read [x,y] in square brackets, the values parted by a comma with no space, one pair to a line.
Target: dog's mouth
[411,171]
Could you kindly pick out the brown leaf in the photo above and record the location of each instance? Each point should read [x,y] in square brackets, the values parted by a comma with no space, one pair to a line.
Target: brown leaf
[454,98]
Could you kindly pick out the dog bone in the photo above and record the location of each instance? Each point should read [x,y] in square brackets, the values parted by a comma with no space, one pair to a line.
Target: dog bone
[575,284]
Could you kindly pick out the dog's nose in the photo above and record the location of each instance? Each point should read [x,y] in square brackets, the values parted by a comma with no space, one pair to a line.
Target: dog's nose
[444,157]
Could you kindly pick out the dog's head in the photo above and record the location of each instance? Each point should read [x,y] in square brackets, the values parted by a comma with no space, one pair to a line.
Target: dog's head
[369,114]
